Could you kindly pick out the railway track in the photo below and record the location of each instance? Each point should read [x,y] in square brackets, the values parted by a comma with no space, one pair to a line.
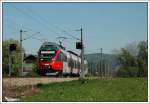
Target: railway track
[33,81]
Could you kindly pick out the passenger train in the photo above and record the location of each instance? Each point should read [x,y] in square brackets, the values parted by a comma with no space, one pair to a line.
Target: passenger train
[53,59]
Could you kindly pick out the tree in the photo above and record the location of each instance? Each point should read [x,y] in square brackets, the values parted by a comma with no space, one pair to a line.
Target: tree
[15,57]
[143,59]
[126,59]
[133,60]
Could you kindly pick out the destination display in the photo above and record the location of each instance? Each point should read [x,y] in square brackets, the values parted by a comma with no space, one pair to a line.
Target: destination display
[47,52]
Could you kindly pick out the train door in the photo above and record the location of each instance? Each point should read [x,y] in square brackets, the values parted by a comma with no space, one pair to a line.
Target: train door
[65,63]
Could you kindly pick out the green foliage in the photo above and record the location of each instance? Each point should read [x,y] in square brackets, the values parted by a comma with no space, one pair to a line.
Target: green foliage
[133,65]
[122,72]
[143,59]
[39,85]
[34,72]
[118,89]
[15,57]
[127,72]
[88,75]
[126,59]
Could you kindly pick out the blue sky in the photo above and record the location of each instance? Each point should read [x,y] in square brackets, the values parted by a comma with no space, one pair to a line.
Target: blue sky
[105,25]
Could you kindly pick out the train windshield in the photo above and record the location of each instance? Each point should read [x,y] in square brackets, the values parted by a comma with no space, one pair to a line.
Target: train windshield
[47,52]
[47,55]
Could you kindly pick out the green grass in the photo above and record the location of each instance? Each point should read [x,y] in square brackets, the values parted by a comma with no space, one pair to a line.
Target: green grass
[119,89]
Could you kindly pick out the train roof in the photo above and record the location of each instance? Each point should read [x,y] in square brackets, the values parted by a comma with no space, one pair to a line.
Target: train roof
[73,53]
[49,43]
[53,44]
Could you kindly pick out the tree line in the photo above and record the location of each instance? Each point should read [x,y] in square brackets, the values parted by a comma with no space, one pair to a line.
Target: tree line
[133,60]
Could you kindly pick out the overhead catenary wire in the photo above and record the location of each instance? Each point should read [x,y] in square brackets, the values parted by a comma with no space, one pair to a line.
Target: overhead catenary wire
[58,28]
[40,20]
[34,19]
[43,22]
[23,27]
[42,40]
[13,28]
[31,36]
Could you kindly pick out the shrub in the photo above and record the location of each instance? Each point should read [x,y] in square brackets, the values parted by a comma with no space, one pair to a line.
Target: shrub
[122,72]
[127,72]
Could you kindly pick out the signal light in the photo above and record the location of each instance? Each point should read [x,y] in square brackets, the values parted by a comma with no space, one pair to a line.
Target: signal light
[12,47]
[79,45]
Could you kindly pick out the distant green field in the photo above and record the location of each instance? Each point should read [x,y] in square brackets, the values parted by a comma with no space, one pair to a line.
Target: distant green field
[106,90]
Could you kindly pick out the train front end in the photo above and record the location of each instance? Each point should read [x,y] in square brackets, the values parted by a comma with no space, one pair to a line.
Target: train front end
[47,59]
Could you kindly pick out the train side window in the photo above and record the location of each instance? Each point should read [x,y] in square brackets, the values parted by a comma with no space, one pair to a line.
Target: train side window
[78,65]
[69,62]
[75,64]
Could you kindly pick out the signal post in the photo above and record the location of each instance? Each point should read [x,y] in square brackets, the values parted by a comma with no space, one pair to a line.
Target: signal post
[79,45]
[12,47]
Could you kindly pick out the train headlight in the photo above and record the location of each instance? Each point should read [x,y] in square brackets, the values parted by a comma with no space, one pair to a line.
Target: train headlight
[41,59]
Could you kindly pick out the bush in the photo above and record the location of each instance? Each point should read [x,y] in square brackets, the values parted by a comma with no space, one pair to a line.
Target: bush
[127,72]
[122,72]
[88,75]
[39,85]
[34,72]
[133,71]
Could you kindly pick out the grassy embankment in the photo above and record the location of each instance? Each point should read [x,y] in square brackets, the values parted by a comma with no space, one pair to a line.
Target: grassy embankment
[119,89]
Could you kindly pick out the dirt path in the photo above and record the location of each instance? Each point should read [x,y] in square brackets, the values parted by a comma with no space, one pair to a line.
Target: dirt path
[25,86]
[33,81]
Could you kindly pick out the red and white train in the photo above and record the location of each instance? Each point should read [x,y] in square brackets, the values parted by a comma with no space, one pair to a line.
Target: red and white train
[53,59]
